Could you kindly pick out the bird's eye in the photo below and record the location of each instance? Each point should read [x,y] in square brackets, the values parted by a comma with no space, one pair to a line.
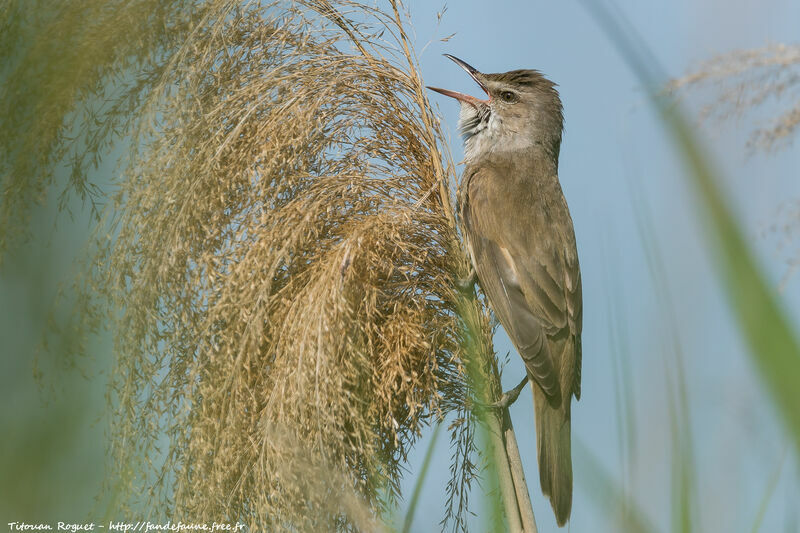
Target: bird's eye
[508,96]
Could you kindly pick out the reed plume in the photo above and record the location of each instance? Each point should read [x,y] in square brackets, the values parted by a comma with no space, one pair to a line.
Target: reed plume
[275,254]
[282,259]
[744,80]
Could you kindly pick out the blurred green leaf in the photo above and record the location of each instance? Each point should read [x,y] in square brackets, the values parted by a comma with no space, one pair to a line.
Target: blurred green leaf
[421,477]
[768,492]
[773,342]
[605,490]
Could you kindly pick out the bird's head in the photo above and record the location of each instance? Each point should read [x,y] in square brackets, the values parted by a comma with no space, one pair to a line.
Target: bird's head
[522,112]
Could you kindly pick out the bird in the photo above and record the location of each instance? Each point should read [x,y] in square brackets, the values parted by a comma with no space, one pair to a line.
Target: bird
[519,234]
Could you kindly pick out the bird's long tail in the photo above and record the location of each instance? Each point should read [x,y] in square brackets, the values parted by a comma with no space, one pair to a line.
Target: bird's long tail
[555,453]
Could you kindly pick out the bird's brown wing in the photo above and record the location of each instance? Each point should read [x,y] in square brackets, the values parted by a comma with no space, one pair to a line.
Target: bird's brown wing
[529,272]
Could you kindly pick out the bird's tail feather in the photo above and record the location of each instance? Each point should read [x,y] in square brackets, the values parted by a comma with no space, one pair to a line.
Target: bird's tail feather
[555,453]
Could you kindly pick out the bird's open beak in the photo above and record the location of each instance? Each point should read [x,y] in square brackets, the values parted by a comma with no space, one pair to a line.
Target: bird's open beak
[461,97]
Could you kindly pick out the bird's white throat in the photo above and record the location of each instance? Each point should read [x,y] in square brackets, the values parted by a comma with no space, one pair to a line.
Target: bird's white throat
[484,132]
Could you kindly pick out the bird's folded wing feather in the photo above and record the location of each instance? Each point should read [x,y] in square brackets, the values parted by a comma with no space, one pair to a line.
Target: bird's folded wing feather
[532,284]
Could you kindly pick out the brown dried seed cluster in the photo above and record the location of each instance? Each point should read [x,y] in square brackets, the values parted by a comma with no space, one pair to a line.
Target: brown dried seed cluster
[281,260]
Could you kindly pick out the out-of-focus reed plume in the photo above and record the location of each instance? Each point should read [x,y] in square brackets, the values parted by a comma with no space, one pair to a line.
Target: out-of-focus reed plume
[738,83]
[748,79]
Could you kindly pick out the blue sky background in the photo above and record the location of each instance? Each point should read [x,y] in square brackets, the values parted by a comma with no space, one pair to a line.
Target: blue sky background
[615,155]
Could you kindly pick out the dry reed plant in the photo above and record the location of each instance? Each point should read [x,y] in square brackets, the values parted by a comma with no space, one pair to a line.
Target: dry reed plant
[282,253]
[72,78]
[276,255]
[747,79]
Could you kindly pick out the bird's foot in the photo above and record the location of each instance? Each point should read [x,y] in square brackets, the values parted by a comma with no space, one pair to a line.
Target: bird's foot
[508,397]
[466,284]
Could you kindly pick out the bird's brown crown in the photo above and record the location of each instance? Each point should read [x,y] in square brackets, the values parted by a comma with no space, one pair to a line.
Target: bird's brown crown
[523,78]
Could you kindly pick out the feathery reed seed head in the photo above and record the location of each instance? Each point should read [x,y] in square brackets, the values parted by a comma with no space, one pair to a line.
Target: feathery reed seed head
[276,253]
[281,261]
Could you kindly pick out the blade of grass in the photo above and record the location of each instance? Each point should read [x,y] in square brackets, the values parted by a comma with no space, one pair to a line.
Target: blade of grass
[608,494]
[503,494]
[423,473]
[770,490]
[683,480]
[484,379]
[518,475]
[681,456]
[623,390]
[772,342]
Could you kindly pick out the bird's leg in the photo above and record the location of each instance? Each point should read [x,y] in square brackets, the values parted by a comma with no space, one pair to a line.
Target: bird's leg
[508,397]
[465,284]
